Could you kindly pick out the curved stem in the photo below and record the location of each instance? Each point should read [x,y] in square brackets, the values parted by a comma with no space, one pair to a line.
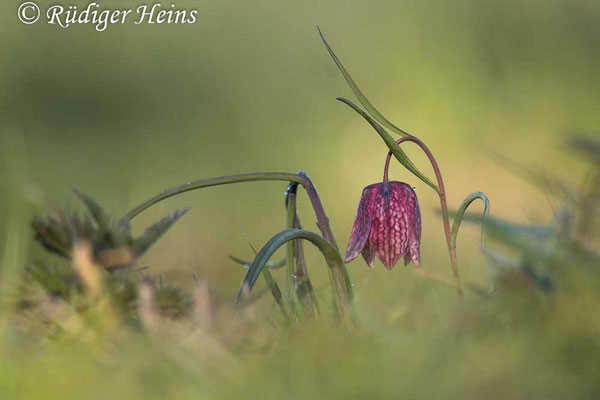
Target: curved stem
[331,254]
[339,274]
[202,183]
[461,212]
[387,166]
[441,191]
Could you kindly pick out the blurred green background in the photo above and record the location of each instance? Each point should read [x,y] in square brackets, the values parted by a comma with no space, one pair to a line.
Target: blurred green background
[125,113]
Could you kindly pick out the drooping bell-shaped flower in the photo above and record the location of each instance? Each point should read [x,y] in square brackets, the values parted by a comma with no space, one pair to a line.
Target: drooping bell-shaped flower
[387,225]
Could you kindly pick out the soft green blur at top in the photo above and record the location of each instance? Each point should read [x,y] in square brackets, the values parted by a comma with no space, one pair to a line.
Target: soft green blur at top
[125,113]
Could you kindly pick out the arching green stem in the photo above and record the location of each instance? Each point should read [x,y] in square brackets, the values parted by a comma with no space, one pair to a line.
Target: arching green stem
[339,274]
[461,212]
[301,177]
[343,290]
[441,191]
[209,182]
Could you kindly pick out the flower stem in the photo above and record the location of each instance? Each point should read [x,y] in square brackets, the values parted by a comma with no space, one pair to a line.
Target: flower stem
[341,280]
[441,191]
[290,276]
[297,270]
[202,183]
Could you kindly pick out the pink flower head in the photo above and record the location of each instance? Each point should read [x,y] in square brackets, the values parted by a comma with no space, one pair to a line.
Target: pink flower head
[387,225]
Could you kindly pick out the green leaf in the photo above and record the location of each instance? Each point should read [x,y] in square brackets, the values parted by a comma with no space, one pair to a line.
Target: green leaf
[271,283]
[274,289]
[332,257]
[461,212]
[391,144]
[290,276]
[270,265]
[101,217]
[502,228]
[360,96]
[295,258]
[51,235]
[154,232]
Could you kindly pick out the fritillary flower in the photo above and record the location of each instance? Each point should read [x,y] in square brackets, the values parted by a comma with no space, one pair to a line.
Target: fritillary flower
[387,225]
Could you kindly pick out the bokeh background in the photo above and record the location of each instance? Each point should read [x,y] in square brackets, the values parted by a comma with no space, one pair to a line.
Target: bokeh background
[125,113]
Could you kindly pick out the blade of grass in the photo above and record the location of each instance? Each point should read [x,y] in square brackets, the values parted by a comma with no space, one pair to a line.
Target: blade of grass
[296,263]
[290,276]
[210,182]
[343,294]
[360,96]
[270,265]
[270,281]
[275,291]
[392,145]
[339,273]
[156,231]
[461,212]
[99,215]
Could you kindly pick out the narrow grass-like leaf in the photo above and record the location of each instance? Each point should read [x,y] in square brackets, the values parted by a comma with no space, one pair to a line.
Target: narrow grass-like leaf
[391,144]
[296,261]
[359,95]
[209,182]
[461,212]
[270,265]
[101,217]
[271,282]
[154,232]
[537,245]
[274,289]
[332,257]
[51,235]
[290,275]
[339,274]
[533,233]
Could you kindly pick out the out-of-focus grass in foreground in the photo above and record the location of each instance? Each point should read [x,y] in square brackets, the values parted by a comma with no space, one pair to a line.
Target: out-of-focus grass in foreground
[128,112]
[76,331]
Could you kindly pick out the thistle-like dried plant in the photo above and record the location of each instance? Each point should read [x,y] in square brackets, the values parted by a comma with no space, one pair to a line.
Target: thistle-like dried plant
[112,242]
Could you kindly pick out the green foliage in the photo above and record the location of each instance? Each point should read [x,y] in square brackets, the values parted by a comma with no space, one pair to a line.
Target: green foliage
[359,95]
[541,316]
[461,212]
[112,241]
[329,252]
[459,74]
[390,142]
